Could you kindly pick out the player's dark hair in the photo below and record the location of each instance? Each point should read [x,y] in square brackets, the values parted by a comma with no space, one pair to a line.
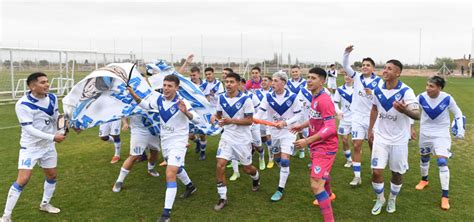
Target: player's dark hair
[437,80]
[209,69]
[33,77]
[195,69]
[228,69]
[267,77]
[396,63]
[318,71]
[295,67]
[332,65]
[368,59]
[233,75]
[242,80]
[256,68]
[172,78]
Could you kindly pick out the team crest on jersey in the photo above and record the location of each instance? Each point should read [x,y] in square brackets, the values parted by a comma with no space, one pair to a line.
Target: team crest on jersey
[374,83]
[398,96]
[173,109]
[47,122]
[178,158]
[238,105]
[289,102]
[317,169]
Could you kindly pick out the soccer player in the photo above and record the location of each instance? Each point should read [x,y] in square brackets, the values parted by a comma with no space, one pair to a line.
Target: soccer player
[110,132]
[364,84]
[282,107]
[264,131]
[225,72]
[434,133]
[331,80]
[295,84]
[394,103]
[175,115]
[37,112]
[211,88]
[255,81]
[143,135]
[343,96]
[234,113]
[322,140]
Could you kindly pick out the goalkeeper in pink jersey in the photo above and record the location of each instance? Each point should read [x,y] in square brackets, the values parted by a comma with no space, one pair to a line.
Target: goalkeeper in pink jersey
[322,140]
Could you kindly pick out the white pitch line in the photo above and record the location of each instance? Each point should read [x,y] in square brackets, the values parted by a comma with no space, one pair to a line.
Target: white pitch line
[8,127]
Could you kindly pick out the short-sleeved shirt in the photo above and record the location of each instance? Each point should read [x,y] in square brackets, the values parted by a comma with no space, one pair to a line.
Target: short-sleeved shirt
[237,107]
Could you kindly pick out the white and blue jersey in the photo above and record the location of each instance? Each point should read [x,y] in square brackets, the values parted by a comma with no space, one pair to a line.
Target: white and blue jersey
[237,107]
[343,96]
[296,85]
[435,121]
[38,117]
[285,107]
[212,90]
[391,126]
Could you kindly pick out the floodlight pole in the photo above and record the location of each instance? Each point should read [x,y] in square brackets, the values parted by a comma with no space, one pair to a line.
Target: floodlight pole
[12,75]
[419,55]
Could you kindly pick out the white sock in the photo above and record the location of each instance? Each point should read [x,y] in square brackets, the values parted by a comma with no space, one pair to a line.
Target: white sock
[269,149]
[284,173]
[171,189]
[235,166]
[261,154]
[356,167]
[378,188]
[424,166]
[444,177]
[117,148]
[49,187]
[347,154]
[222,191]
[183,176]
[111,139]
[256,176]
[13,196]
[122,175]
[394,190]
[203,144]
[151,166]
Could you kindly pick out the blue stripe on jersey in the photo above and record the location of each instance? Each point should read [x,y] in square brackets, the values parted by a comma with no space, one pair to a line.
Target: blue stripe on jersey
[167,114]
[373,84]
[281,109]
[307,94]
[203,86]
[387,103]
[437,110]
[49,110]
[345,95]
[29,97]
[259,95]
[232,110]
[216,87]
[26,123]
[297,89]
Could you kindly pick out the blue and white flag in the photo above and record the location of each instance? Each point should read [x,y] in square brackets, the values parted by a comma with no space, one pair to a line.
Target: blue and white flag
[102,96]
[189,91]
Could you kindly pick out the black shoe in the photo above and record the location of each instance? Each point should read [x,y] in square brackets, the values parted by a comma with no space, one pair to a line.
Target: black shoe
[164,219]
[188,192]
[221,204]
[255,185]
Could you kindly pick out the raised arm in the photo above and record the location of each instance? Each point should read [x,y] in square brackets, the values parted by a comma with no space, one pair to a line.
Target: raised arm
[345,62]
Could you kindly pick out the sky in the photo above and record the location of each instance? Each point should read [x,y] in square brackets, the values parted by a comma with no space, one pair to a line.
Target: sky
[309,31]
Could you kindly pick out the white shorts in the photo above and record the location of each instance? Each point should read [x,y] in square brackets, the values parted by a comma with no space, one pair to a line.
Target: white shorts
[438,146]
[283,145]
[175,156]
[332,83]
[110,128]
[256,136]
[264,130]
[360,127]
[395,155]
[45,157]
[138,143]
[344,128]
[235,151]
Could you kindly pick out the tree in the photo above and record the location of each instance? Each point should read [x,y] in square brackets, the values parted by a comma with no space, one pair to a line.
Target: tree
[450,64]
[357,64]
[43,62]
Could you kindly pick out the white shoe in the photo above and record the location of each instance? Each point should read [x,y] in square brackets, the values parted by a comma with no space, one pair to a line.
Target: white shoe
[6,218]
[348,164]
[391,208]
[117,187]
[356,181]
[234,176]
[378,206]
[49,208]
